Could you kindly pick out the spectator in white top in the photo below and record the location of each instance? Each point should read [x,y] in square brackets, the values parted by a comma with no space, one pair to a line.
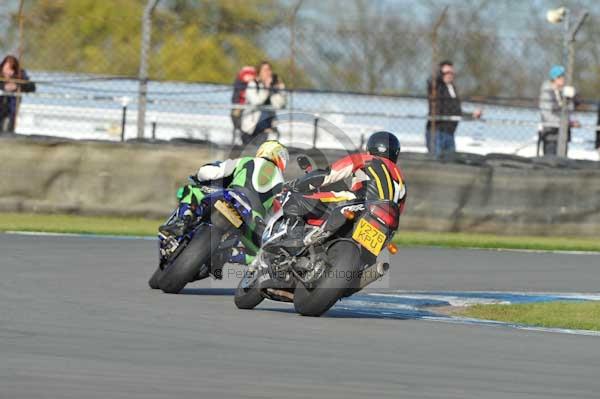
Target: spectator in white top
[266,94]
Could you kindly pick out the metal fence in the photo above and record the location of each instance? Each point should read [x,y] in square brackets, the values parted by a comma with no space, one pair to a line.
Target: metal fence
[359,65]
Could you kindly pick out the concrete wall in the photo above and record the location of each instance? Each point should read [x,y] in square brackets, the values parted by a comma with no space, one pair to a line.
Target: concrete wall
[468,193]
[93,178]
[503,199]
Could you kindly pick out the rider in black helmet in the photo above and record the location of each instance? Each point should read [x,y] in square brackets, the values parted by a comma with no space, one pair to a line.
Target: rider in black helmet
[384,144]
[371,175]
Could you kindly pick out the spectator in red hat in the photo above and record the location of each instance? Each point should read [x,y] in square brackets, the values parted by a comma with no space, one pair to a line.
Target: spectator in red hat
[245,75]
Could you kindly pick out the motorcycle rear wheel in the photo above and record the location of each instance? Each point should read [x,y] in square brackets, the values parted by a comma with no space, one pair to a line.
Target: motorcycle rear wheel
[340,278]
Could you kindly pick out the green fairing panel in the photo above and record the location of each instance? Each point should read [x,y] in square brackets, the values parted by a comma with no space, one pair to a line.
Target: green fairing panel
[241,172]
[250,245]
[190,195]
[268,203]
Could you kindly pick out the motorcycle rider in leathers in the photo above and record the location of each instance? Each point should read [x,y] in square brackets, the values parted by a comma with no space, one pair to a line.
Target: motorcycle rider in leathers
[260,178]
[374,175]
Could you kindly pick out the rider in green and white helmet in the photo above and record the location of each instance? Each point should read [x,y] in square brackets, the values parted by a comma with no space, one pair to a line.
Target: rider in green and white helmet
[260,178]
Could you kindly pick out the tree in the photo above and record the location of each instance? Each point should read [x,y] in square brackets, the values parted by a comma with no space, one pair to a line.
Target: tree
[192,40]
[210,41]
[500,49]
[83,35]
[369,48]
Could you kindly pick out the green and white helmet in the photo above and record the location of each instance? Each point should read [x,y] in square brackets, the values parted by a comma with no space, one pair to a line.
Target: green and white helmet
[275,152]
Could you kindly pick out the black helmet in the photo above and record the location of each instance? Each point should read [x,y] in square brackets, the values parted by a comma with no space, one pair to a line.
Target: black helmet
[384,144]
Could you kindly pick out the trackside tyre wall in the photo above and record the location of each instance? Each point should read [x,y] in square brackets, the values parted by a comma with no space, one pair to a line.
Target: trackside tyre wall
[341,277]
[187,265]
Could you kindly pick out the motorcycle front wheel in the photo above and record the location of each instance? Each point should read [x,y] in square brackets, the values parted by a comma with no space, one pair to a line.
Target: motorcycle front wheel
[186,266]
[247,295]
[155,278]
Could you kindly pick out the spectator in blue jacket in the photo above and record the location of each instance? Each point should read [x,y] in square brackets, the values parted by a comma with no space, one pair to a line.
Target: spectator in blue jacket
[13,80]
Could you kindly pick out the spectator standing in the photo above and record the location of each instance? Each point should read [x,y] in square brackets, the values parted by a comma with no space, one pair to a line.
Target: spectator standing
[598,131]
[552,95]
[13,80]
[265,94]
[245,75]
[446,104]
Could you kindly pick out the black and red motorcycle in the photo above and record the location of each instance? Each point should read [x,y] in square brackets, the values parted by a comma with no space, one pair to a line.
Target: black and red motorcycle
[337,258]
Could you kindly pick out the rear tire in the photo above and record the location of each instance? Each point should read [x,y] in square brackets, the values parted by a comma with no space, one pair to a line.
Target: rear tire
[247,297]
[341,278]
[186,266]
[153,282]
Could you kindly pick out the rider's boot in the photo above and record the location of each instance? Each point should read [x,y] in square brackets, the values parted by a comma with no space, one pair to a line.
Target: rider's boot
[238,255]
[179,227]
[232,255]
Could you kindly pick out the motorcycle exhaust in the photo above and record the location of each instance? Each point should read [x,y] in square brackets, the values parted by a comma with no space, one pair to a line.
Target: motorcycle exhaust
[373,273]
[281,293]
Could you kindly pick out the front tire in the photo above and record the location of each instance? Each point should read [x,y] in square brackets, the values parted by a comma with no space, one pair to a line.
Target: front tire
[153,282]
[339,279]
[247,295]
[186,266]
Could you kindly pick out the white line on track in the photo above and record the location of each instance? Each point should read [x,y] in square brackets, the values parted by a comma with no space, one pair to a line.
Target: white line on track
[493,323]
[526,251]
[546,251]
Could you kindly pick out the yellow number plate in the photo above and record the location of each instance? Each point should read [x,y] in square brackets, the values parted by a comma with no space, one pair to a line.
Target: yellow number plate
[230,214]
[369,237]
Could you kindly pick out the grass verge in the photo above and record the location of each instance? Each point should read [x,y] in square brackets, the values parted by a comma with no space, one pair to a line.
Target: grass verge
[78,224]
[148,227]
[571,315]
[465,240]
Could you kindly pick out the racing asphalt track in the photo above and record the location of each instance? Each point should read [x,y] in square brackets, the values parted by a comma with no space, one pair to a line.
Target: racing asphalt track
[78,321]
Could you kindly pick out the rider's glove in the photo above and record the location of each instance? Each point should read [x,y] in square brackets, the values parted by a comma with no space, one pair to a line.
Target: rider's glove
[291,185]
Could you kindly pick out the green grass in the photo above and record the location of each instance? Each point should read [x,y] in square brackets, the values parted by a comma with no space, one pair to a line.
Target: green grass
[78,224]
[148,227]
[466,240]
[572,315]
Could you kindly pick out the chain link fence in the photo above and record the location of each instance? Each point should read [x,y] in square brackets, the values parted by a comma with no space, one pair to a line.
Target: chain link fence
[359,65]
